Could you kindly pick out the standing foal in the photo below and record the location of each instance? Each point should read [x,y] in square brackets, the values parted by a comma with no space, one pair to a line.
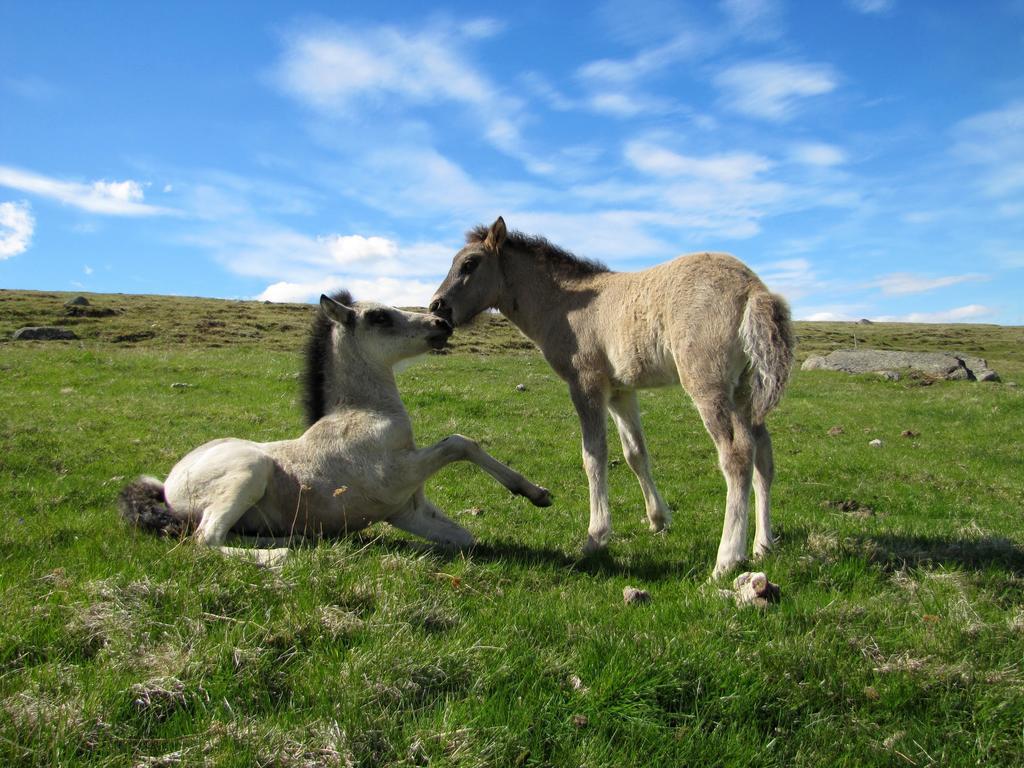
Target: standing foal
[704,321]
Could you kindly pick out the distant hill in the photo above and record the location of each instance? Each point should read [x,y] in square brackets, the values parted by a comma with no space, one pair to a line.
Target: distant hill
[158,321]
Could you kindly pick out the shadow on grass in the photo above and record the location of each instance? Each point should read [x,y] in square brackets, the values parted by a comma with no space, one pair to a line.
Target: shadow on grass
[607,563]
[895,551]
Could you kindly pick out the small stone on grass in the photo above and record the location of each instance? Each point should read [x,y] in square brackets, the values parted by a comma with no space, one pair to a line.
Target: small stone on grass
[634,596]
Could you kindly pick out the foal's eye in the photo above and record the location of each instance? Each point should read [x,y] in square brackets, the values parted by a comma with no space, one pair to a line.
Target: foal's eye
[378,317]
[468,266]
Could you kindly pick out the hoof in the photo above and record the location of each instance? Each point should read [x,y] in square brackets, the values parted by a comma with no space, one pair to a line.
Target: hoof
[455,542]
[724,569]
[541,498]
[594,544]
[659,521]
[764,549]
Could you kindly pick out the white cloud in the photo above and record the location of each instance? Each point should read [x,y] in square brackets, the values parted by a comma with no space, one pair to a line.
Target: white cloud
[871,6]
[16,227]
[349,72]
[350,250]
[624,72]
[754,19]
[387,290]
[659,161]
[481,29]
[330,68]
[87,269]
[772,90]
[901,283]
[826,316]
[626,104]
[818,154]
[966,314]
[123,191]
[288,257]
[994,141]
[423,184]
[111,198]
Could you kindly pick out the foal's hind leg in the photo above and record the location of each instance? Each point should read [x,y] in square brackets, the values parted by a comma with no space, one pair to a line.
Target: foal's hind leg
[422,518]
[764,473]
[626,414]
[234,495]
[731,431]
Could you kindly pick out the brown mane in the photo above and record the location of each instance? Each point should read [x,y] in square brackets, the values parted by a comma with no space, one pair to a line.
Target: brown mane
[544,251]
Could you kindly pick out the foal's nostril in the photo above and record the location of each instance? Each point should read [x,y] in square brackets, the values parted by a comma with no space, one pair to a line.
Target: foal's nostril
[441,324]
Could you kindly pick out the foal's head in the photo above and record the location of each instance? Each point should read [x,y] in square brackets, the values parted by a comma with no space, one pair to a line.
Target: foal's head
[474,281]
[383,334]
[359,337]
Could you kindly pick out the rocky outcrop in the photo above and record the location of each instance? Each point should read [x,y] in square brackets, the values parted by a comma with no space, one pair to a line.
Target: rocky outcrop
[941,365]
[44,333]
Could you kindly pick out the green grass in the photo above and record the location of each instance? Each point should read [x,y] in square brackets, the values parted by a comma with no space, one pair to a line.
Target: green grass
[899,639]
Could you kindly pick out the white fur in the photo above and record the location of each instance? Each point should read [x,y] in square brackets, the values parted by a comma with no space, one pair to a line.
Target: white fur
[355,466]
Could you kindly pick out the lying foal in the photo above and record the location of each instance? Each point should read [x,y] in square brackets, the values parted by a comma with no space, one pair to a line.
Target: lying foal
[355,465]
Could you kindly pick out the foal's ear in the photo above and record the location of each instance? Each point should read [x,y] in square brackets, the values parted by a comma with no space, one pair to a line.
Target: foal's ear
[336,311]
[496,235]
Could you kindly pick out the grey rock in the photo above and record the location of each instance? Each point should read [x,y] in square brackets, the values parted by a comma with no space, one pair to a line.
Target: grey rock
[634,596]
[887,363]
[44,333]
[78,301]
[864,321]
[754,590]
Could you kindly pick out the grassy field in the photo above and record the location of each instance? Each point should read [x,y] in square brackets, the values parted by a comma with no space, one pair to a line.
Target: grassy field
[899,639]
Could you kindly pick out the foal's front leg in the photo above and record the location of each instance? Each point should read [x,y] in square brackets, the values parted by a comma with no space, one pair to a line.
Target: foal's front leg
[428,461]
[592,410]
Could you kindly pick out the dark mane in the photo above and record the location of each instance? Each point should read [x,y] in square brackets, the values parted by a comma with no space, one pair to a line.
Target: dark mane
[317,362]
[544,250]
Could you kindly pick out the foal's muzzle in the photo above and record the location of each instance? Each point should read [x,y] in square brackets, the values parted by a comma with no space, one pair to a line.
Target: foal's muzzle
[441,330]
[440,308]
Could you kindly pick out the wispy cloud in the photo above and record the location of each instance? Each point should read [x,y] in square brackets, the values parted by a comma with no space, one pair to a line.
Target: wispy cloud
[625,72]
[16,227]
[773,90]
[966,314]
[347,71]
[111,198]
[818,154]
[754,19]
[724,194]
[332,67]
[388,290]
[871,6]
[31,87]
[659,161]
[994,142]
[901,283]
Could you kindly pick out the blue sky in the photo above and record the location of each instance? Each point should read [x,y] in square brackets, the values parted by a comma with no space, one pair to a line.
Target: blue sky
[866,157]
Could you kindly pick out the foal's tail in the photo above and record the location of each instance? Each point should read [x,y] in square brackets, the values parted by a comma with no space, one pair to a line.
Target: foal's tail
[142,504]
[767,336]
